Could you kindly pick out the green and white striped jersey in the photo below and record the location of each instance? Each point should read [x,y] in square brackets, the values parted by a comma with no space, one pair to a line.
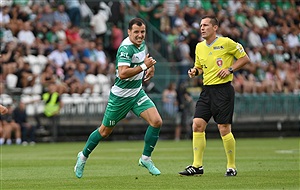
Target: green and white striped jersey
[129,54]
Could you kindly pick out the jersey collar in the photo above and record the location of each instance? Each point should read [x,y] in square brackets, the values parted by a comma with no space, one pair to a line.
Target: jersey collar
[212,42]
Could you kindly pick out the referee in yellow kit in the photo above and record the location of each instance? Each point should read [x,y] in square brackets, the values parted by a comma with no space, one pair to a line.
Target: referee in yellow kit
[215,60]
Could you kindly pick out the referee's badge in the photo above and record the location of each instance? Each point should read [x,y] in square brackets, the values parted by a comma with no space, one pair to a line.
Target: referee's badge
[219,62]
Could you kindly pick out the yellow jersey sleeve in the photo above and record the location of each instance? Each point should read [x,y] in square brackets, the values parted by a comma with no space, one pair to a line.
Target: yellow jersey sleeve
[235,49]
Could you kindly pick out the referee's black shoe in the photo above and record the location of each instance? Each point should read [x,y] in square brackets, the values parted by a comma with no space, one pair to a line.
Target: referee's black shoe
[192,171]
[230,172]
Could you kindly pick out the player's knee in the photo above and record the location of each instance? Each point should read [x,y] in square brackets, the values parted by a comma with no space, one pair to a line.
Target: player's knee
[157,122]
[224,129]
[105,131]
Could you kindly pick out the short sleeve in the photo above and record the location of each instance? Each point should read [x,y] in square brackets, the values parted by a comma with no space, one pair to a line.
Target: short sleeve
[124,56]
[235,49]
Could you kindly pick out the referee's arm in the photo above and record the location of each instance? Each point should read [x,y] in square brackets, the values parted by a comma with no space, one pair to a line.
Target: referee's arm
[195,71]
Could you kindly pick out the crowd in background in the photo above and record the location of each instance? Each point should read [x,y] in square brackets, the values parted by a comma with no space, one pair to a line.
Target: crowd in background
[269,30]
[68,43]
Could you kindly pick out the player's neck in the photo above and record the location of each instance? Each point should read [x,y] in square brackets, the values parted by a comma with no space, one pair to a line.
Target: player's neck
[210,40]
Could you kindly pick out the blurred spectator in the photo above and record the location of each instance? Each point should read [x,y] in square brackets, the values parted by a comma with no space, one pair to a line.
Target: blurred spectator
[27,130]
[6,36]
[47,17]
[254,39]
[73,83]
[98,21]
[233,6]
[39,31]
[27,38]
[8,63]
[60,32]
[26,35]
[53,105]
[144,7]
[98,55]
[11,127]
[73,10]
[16,20]
[60,16]
[49,78]
[265,5]
[73,36]
[259,20]
[172,6]
[58,59]
[25,76]
[169,99]
[185,64]
[80,74]
[51,35]
[293,38]
[117,13]
[85,57]
[156,15]
[73,53]
[184,118]
[115,41]
[4,16]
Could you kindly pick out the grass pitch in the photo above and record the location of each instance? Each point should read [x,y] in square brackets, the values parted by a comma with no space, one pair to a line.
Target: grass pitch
[262,164]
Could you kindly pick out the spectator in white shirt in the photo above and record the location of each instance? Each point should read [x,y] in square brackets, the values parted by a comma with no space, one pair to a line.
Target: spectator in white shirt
[26,35]
[254,39]
[293,38]
[58,58]
[259,20]
[4,16]
[98,21]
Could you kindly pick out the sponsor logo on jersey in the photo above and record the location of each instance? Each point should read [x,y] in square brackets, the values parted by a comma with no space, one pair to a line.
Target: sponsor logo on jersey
[218,47]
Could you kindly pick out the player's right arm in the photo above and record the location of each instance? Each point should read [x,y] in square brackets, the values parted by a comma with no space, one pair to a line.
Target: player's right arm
[197,69]
[127,72]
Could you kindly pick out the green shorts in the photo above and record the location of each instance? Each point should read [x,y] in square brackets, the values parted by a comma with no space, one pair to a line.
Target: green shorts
[117,107]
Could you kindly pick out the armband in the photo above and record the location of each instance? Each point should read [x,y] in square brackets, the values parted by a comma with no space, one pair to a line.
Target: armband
[143,66]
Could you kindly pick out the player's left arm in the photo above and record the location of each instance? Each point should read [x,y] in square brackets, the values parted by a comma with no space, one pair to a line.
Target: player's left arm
[239,53]
[240,63]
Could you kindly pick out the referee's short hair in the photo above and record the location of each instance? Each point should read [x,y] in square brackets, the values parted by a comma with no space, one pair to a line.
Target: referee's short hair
[213,19]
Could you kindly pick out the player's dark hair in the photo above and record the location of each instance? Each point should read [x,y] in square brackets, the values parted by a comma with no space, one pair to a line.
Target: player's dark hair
[213,20]
[137,21]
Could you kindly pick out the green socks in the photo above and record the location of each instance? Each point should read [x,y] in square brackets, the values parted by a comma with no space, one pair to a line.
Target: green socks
[150,139]
[91,143]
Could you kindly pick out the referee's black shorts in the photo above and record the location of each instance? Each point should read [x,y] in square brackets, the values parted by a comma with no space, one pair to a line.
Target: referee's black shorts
[216,101]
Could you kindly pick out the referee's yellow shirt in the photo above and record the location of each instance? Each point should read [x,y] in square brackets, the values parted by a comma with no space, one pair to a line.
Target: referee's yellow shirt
[218,55]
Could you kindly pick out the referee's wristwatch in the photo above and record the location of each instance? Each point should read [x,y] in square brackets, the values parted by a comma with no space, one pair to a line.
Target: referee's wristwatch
[230,69]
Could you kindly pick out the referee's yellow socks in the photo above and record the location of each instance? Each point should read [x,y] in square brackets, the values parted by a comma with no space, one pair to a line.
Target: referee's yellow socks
[199,144]
[229,145]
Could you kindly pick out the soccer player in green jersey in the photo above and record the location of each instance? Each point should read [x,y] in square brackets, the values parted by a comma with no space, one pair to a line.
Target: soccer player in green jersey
[215,60]
[133,64]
